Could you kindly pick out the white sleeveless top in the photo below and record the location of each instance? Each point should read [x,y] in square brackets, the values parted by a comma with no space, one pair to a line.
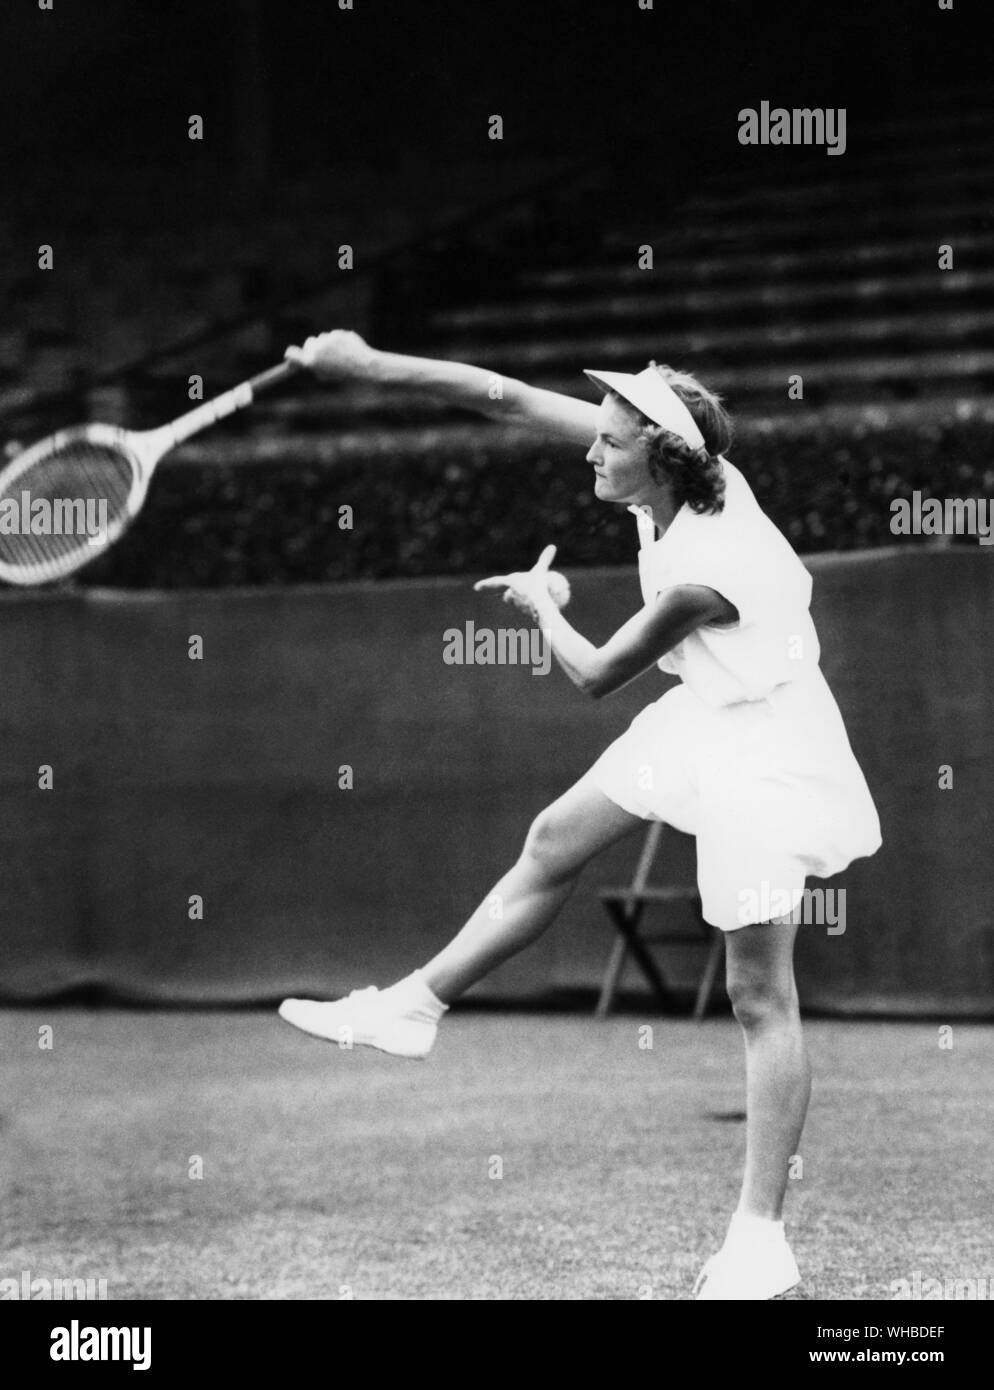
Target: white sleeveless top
[743,556]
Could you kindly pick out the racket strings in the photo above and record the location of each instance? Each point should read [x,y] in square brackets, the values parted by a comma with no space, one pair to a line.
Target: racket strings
[97,475]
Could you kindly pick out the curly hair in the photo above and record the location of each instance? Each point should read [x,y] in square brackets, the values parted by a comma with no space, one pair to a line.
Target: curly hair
[695,474]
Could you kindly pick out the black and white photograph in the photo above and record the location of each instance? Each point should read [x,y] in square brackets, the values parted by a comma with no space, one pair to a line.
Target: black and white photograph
[496,609]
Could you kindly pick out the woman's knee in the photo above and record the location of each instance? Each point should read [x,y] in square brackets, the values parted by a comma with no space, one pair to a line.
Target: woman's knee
[548,846]
[758,1001]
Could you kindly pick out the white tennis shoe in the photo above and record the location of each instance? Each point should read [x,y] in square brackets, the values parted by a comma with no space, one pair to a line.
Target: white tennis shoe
[366,1018]
[742,1271]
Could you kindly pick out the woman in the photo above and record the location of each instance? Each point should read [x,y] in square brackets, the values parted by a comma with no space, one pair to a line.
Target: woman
[749,753]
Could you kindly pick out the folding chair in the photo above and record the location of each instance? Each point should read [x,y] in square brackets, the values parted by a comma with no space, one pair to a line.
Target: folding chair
[626,906]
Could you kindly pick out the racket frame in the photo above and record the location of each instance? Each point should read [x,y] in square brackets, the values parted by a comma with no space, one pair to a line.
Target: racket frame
[144,449]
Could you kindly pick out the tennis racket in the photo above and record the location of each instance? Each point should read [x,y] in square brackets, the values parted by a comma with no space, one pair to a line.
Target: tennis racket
[94,471]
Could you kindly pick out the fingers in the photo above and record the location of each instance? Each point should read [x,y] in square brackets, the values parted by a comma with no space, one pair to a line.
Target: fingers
[546,558]
[511,594]
[304,356]
[337,352]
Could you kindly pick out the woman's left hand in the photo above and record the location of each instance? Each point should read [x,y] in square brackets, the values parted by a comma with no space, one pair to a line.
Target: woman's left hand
[526,588]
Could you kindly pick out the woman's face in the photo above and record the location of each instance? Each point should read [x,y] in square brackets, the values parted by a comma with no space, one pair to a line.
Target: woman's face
[619,455]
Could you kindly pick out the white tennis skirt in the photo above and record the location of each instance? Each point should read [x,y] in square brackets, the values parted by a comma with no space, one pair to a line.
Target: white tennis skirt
[770,788]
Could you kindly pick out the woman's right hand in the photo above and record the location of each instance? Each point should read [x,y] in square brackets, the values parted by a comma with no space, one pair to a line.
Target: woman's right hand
[340,355]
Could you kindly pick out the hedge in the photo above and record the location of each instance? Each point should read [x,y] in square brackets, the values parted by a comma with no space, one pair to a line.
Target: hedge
[208,525]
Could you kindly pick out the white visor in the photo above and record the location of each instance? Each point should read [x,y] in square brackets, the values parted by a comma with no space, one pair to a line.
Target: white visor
[649,393]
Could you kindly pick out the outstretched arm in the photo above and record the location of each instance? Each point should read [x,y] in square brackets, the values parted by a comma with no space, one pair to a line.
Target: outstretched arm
[635,647]
[343,356]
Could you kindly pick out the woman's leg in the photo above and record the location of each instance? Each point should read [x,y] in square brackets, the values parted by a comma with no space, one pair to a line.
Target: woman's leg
[562,839]
[404,1018]
[761,986]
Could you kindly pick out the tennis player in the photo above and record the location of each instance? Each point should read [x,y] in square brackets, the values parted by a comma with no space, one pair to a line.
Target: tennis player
[748,753]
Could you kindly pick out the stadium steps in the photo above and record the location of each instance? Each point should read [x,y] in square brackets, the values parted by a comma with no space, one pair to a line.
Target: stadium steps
[775,271]
[896,174]
[826,260]
[957,370]
[671,305]
[759,390]
[768,272]
[771,270]
[738,344]
[959,210]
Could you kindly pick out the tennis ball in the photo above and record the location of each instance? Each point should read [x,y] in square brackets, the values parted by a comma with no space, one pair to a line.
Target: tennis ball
[558,588]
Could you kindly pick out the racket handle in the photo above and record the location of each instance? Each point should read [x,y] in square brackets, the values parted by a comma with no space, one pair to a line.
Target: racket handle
[236,399]
[273,376]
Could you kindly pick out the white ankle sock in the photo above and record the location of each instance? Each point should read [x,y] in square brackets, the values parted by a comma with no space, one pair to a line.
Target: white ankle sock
[744,1226]
[412,994]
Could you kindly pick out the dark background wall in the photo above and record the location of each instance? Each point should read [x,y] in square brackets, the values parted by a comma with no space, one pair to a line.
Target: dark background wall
[319,84]
[220,778]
